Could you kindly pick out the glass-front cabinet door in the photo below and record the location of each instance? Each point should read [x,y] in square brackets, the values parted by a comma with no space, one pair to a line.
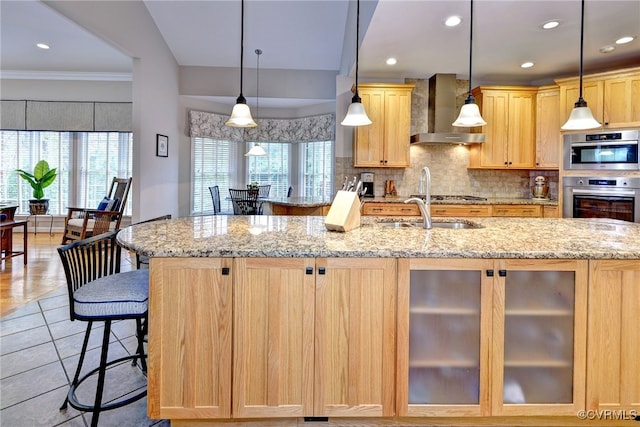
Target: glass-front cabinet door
[539,337]
[444,322]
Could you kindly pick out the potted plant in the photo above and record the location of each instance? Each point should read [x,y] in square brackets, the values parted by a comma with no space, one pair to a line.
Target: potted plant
[253,188]
[41,178]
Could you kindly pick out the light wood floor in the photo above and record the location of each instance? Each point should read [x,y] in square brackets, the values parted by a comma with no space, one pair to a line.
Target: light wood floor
[21,284]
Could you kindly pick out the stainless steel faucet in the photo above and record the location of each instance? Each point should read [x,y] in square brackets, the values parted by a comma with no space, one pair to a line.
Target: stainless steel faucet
[424,205]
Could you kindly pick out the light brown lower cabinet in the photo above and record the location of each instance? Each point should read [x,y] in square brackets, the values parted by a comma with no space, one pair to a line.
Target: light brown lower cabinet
[534,211]
[613,358]
[461,210]
[491,337]
[311,337]
[378,339]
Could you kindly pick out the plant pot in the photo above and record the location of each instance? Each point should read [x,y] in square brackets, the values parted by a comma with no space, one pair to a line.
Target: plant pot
[38,206]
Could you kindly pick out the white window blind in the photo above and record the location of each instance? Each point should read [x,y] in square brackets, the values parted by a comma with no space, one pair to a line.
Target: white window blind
[272,169]
[85,161]
[317,168]
[213,164]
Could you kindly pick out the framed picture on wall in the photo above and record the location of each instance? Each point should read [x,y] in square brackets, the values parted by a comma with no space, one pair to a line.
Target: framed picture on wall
[162,145]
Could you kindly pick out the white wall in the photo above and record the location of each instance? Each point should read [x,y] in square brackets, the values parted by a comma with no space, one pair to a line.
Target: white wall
[129,27]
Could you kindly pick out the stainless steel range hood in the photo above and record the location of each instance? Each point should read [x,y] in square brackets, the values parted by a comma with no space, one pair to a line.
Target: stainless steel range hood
[442,112]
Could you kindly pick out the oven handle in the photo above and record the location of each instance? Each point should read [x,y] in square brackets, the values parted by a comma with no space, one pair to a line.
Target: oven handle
[604,193]
[596,144]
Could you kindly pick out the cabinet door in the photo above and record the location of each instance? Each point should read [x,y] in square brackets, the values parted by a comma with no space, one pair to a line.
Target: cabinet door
[444,326]
[390,209]
[539,337]
[533,211]
[550,211]
[273,337]
[621,106]
[521,137]
[189,338]
[495,111]
[397,128]
[613,375]
[355,337]
[460,210]
[548,139]
[368,147]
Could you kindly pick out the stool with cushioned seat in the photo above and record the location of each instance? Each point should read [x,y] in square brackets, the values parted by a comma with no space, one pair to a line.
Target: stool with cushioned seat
[99,292]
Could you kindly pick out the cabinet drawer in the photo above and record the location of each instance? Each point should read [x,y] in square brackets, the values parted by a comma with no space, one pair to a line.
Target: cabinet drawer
[390,209]
[517,210]
[460,210]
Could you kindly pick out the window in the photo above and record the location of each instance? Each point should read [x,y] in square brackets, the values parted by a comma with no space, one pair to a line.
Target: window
[86,162]
[273,168]
[220,162]
[213,164]
[317,168]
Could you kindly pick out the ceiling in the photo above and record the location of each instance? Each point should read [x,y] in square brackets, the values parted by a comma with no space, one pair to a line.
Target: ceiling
[310,35]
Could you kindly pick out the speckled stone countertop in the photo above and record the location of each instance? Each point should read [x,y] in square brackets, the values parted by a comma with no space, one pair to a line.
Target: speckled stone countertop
[306,236]
[489,201]
[307,202]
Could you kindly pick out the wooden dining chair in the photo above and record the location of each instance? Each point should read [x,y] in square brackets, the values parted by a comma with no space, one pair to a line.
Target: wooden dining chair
[245,202]
[215,198]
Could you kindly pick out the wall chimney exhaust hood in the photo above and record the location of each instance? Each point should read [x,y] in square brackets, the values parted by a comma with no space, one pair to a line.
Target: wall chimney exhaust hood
[442,113]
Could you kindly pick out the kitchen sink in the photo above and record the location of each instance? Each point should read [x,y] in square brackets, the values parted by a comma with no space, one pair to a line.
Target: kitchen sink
[455,225]
[400,224]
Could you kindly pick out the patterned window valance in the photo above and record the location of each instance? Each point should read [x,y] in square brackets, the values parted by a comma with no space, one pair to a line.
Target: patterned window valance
[305,129]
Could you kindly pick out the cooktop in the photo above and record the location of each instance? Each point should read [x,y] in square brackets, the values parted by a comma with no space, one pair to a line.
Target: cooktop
[450,197]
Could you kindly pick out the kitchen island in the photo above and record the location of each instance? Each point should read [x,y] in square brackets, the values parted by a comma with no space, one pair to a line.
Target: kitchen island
[300,206]
[269,320]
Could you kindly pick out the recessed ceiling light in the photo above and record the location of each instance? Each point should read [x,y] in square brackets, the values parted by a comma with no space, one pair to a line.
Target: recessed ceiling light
[550,24]
[452,21]
[526,65]
[43,46]
[391,61]
[623,40]
[607,49]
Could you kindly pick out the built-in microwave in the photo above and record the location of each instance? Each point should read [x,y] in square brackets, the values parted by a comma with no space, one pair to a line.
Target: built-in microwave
[613,150]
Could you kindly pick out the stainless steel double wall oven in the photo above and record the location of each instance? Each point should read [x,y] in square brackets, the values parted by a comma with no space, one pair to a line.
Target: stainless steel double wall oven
[602,196]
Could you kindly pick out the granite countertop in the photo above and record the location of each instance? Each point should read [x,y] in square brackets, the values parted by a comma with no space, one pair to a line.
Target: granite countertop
[306,236]
[307,202]
[489,201]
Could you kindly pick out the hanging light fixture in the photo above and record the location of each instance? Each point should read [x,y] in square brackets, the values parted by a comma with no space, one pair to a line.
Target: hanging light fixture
[581,117]
[257,149]
[356,115]
[241,115]
[470,113]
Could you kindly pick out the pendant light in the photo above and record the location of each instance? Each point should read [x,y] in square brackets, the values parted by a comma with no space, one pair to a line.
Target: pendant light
[241,115]
[257,149]
[470,113]
[356,115]
[581,117]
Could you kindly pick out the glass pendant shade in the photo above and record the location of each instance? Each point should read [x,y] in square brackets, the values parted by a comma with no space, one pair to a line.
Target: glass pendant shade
[356,115]
[256,150]
[469,115]
[581,118]
[241,117]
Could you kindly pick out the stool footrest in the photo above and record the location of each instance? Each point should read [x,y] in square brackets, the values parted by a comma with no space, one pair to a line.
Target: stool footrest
[73,401]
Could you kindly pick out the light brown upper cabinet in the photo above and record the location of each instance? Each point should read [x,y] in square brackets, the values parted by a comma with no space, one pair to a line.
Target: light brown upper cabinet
[548,139]
[612,97]
[510,130]
[385,143]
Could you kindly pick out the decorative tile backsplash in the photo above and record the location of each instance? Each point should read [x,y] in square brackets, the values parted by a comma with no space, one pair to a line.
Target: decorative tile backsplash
[447,164]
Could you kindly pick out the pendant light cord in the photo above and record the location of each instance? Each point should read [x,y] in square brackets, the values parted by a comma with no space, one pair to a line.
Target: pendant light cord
[241,98]
[356,96]
[580,100]
[258,53]
[470,44]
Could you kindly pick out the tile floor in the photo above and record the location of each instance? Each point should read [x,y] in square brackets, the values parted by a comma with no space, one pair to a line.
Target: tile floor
[39,350]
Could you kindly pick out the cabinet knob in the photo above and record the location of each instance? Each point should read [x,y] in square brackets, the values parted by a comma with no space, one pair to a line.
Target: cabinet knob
[225,271]
[309,270]
[502,273]
[322,270]
[489,273]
